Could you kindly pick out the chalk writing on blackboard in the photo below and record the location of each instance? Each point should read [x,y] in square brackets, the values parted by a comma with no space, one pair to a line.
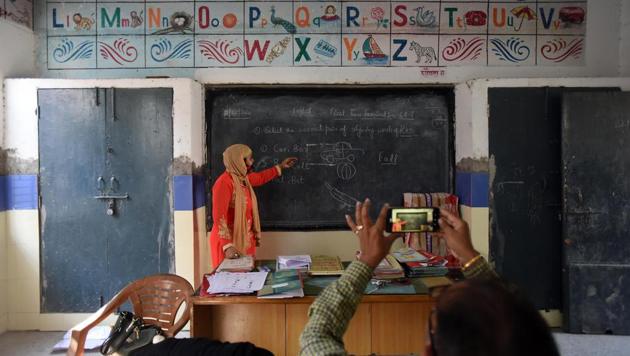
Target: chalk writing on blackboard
[339,154]
[350,144]
[346,200]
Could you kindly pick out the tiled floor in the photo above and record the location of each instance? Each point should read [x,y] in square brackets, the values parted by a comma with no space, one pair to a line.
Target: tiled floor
[35,343]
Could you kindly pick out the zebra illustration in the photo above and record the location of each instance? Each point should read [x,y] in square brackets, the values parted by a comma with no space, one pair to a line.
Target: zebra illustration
[420,51]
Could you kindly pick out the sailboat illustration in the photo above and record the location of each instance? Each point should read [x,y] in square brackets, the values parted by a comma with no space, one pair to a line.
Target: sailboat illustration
[371,50]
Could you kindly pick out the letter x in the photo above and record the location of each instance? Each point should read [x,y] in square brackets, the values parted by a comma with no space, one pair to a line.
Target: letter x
[302,49]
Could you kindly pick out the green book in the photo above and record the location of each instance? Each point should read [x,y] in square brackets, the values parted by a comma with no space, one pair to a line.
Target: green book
[282,284]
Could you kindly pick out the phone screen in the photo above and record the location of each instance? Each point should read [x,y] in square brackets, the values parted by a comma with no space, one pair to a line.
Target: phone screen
[412,220]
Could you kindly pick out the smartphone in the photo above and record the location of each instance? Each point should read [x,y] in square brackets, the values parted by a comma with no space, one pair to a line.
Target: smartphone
[412,219]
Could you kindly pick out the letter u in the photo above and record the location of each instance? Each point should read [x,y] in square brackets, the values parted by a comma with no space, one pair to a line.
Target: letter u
[494,17]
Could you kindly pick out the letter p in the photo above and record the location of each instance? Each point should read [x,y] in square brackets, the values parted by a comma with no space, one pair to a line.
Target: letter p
[254,15]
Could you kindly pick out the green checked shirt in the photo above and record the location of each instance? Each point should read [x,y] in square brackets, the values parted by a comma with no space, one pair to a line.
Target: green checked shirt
[331,312]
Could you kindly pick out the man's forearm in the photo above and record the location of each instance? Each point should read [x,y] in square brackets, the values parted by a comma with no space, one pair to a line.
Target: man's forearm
[480,268]
[332,311]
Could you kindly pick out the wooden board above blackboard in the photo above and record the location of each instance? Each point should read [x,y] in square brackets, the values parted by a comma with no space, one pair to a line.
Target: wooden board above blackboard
[351,144]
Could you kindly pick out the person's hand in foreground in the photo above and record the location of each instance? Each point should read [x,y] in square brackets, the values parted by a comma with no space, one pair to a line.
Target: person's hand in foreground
[373,243]
[456,233]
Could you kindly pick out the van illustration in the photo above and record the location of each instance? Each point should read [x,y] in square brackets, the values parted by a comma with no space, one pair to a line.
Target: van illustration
[572,14]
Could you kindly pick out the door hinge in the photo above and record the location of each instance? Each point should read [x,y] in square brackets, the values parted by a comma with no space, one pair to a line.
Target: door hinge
[98,98]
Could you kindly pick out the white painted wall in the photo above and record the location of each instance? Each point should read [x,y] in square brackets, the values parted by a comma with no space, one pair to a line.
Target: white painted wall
[4,283]
[16,60]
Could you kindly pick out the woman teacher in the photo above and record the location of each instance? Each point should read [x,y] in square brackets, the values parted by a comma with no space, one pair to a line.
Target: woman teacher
[236,224]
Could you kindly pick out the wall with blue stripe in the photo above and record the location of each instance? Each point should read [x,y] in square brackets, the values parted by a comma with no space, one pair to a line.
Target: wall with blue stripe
[18,192]
[472,188]
[188,192]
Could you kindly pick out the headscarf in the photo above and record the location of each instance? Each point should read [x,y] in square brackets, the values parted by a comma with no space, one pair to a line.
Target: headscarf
[234,161]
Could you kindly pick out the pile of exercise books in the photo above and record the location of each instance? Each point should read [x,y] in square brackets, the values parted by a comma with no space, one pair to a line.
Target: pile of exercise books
[231,283]
[421,263]
[389,268]
[298,262]
[242,264]
[326,266]
[282,284]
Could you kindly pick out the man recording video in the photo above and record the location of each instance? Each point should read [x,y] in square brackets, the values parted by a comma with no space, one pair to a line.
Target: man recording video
[479,316]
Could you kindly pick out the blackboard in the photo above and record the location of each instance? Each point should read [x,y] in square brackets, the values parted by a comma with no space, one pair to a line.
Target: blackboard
[351,144]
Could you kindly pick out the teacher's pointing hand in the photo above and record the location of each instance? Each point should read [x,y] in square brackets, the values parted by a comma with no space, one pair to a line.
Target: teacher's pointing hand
[288,162]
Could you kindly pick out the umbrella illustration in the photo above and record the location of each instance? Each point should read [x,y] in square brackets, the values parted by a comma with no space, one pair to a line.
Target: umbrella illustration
[523,12]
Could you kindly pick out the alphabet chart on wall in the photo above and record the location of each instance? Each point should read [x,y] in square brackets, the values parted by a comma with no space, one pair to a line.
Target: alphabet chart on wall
[202,34]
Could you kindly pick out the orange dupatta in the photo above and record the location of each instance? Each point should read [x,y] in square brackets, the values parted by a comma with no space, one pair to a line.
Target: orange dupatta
[234,161]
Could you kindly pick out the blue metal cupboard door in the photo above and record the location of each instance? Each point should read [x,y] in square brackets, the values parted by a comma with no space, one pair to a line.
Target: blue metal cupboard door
[73,224]
[105,168]
[140,134]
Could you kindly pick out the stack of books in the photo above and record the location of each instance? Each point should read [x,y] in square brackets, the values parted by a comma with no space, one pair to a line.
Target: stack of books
[282,284]
[418,269]
[326,266]
[389,268]
[298,262]
[427,265]
[242,264]
[231,283]
[407,254]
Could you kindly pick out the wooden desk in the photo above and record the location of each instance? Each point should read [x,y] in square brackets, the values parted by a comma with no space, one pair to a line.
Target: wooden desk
[383,324]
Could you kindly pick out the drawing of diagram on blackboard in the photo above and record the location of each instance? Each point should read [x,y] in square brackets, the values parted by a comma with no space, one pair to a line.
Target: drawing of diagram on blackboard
[339,154]
[346,200]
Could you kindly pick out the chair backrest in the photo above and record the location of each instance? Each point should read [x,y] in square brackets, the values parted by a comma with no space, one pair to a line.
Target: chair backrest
[157,300]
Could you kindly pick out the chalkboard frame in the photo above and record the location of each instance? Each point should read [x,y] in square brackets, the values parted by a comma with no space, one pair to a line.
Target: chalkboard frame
[445,91]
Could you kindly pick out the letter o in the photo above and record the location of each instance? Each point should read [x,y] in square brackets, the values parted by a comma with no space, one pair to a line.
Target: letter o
[204,16]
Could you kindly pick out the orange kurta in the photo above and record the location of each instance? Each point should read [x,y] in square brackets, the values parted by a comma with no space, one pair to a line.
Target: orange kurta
[223,211]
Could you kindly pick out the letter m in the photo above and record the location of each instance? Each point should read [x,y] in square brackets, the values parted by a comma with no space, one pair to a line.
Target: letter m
[110,21]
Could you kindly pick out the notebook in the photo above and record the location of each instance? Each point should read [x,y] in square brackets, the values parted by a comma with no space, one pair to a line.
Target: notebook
[282,284]
[326,266]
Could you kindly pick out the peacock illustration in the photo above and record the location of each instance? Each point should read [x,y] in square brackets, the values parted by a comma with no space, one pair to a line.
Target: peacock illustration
[289,27]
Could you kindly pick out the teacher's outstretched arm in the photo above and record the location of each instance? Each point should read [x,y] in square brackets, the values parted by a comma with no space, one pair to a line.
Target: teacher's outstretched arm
[259,178]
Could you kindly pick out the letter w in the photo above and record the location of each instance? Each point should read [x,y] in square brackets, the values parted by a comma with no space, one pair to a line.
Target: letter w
[249,52]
